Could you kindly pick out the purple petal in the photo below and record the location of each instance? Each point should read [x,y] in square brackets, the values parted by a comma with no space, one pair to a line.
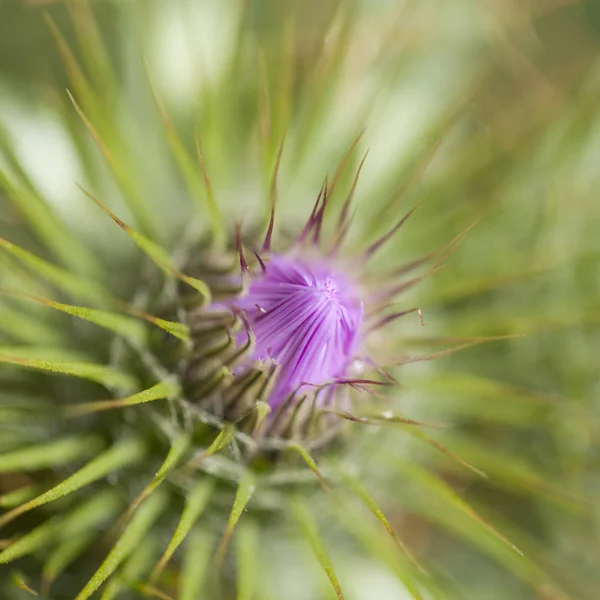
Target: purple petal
[306,318]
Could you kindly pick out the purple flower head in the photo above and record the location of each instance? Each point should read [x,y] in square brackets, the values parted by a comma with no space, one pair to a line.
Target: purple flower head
[301,330]
[306,317]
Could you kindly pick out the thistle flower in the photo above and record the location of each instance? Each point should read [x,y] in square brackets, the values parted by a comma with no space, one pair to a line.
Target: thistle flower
[306,318]
[304,330]
[188,415]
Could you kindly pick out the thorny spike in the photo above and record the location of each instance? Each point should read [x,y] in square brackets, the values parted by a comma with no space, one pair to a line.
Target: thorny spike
[453,243]
[260,261]
[350,382]
[342,233]
[240,249]
[402,287]
[344,222]
[267,242]
[446,351]
[379,369]
[344,162]
[348,201]
[415,264]
[382,240]
[389,318]
[320,216]
[207,184]
[379,420]
[424,163]
[311,220]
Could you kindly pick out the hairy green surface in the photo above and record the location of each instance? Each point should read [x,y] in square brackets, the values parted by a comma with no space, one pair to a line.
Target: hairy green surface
[182,118]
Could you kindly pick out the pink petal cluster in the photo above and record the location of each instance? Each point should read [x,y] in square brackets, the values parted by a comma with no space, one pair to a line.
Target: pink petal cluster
[306,317]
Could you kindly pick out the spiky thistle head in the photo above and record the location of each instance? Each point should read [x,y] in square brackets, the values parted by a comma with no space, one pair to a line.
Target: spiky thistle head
[289,332]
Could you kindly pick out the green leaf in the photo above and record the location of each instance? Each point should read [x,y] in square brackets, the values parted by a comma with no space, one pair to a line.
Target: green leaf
[72,67]
[310,461]
[164,389]
[44,353]
[382,547]
[178,330]
[179,447]
[248,541]
[157,254]
[246,489]
[302,516]
[18,580]
[195,504]
[131,538]
[18,496]
[361,491]
[31,541]
[94,511]
[195,562]
[28,330]
[63,555]
[52,454]
[225,436]
[111,460]
[118,166]
[189,168]
[440,489]
[90,514]
[420,435]
[50,228]
[134,569]
[72,284]
[221,441]
[93,51]
[513,472]
[438,502]
[106,376]
[124,326]
[77,532]
[244,493]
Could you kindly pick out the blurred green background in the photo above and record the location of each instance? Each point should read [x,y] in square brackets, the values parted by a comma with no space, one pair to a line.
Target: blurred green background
[487,112]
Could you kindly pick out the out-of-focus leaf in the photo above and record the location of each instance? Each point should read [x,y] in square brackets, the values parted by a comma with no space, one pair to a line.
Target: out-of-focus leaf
[52,454]
[18,496]
[245,491]
[72,284]
[189,169]
[178,449]
[77,532]
[124,326]
[133,570]
[102,374]
[309,529]
[195,562]
[111,460]
[131,537]
[248,560]
[156,253]
[361,491]
[195,503]
[73,524]
[57,237]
